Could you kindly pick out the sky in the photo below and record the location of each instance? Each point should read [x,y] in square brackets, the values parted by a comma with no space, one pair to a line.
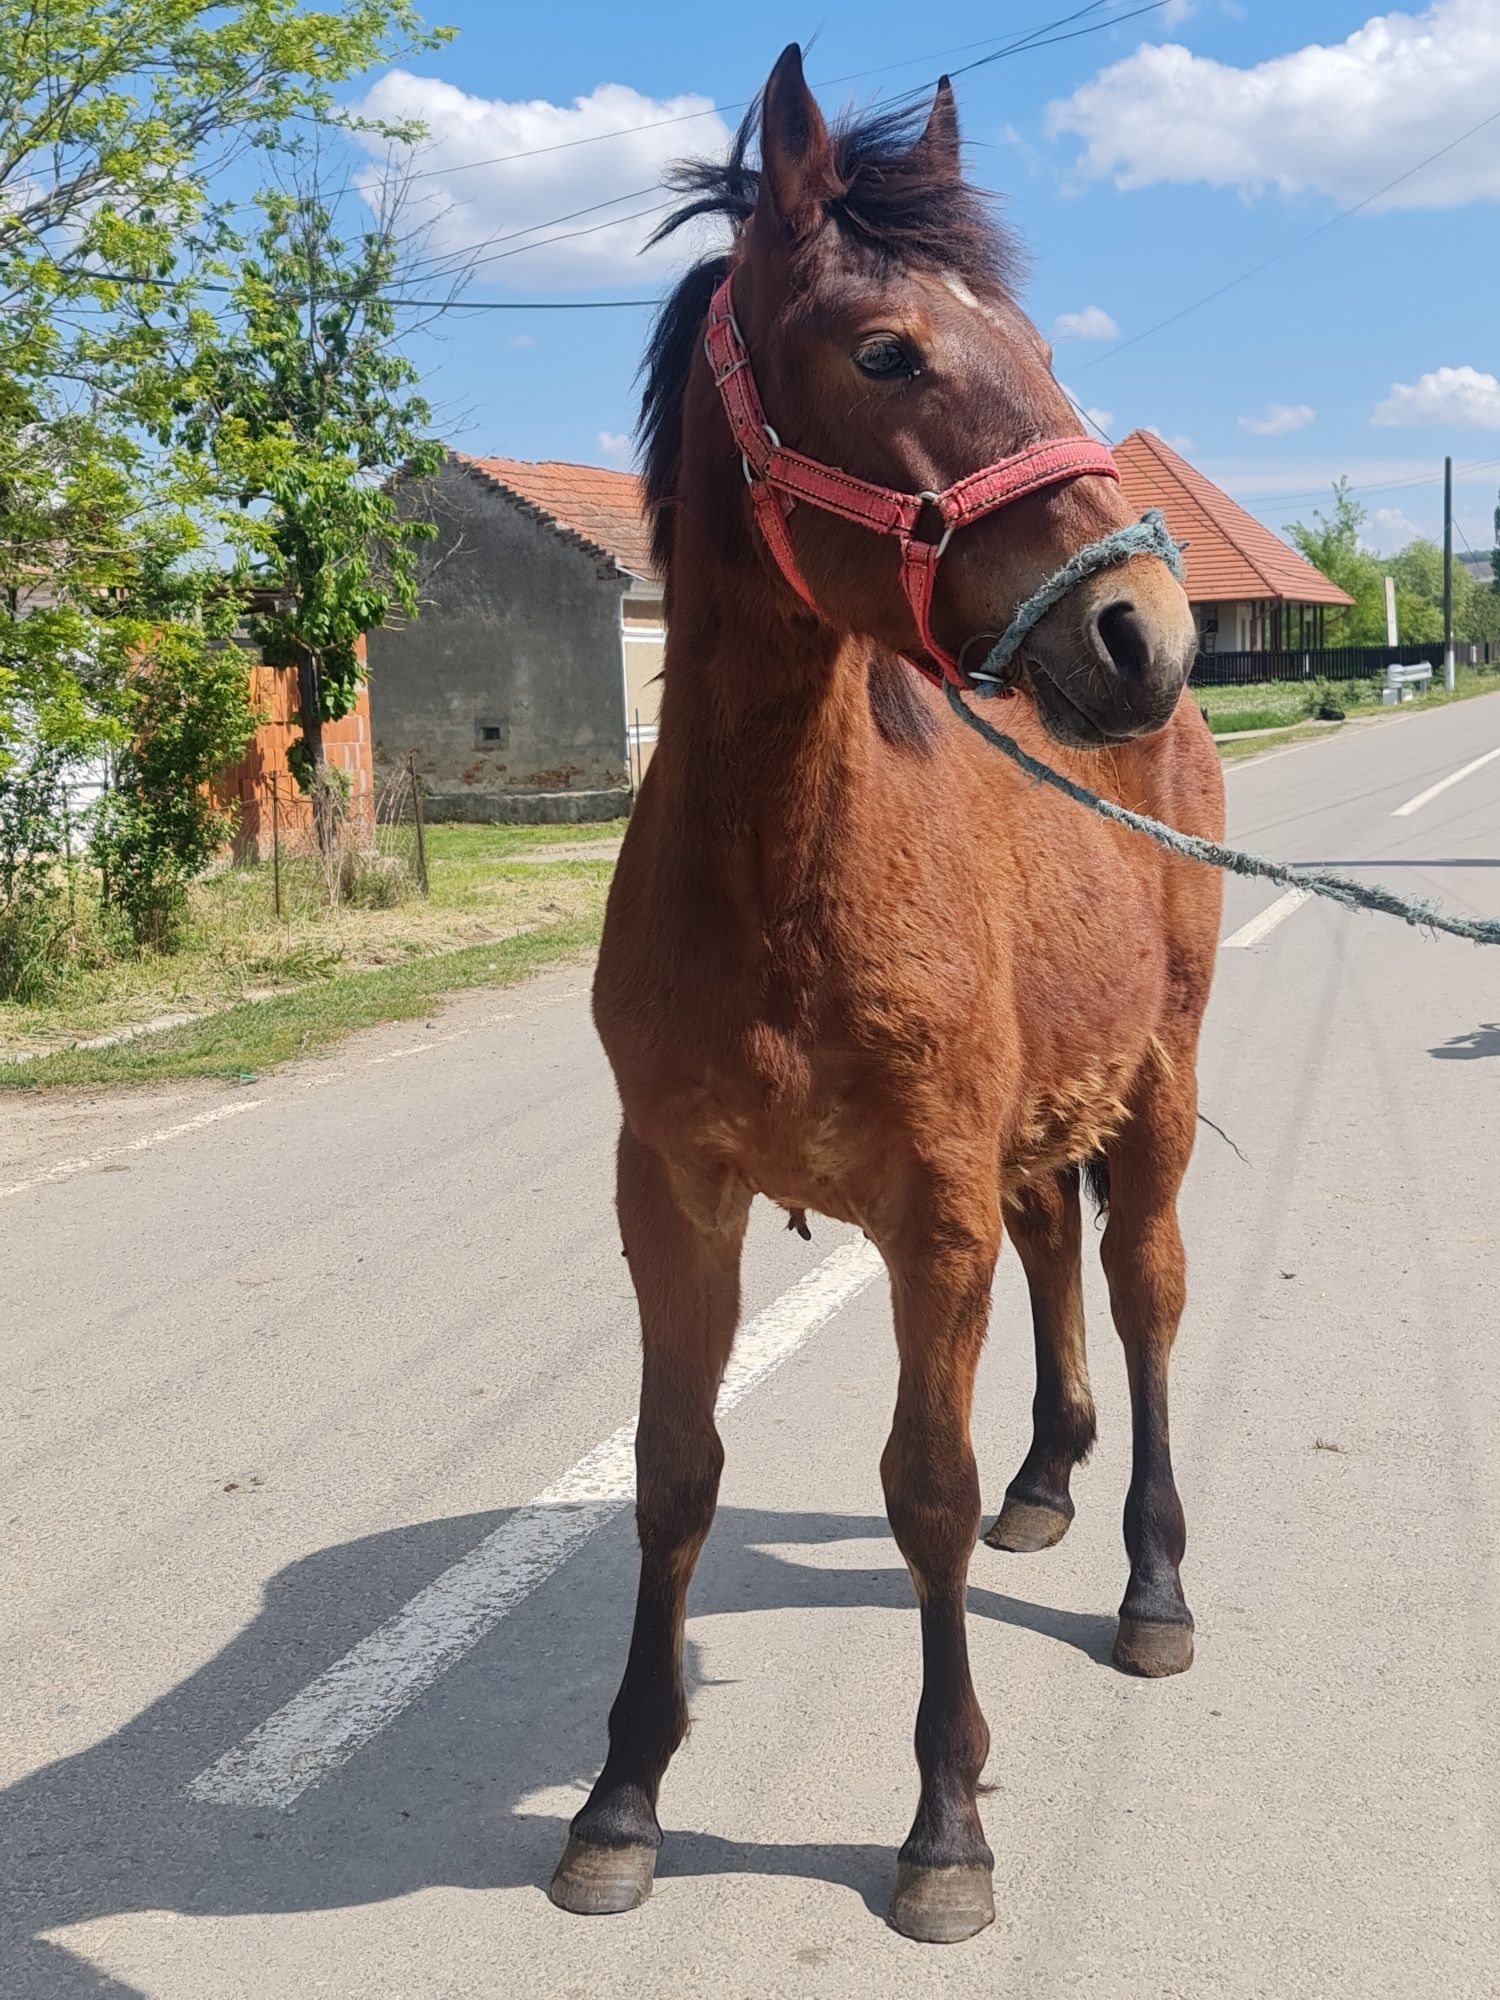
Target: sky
[1145,164]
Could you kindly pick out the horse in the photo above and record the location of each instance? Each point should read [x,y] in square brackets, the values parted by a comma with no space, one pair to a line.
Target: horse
[856,963]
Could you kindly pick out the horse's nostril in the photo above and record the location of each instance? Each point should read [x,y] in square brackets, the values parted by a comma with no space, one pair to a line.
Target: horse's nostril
[1124,635]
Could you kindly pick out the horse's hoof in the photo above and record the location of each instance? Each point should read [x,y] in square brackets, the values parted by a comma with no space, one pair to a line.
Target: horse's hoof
[595,1881]
[942,1905]
[1024,1526]
[1152,1648]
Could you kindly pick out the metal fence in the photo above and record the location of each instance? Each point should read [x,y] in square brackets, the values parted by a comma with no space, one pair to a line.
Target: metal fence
[1328,663]
[367,851]
[370,850]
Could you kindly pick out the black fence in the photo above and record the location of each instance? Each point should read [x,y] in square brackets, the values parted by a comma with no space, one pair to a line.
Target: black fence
[1328,663]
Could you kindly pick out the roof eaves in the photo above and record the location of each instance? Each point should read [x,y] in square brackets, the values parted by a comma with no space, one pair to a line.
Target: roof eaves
[1271,587]
[609,562]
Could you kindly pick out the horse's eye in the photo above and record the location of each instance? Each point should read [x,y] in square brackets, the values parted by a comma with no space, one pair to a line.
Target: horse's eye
[884,359]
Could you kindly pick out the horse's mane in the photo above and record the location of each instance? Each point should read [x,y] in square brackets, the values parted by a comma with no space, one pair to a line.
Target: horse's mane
[894,201]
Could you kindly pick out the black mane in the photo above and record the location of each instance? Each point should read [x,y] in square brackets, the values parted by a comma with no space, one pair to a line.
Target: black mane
[894,201]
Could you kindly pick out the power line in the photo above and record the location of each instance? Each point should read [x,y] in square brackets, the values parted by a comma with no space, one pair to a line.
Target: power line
[741,104]
[1017,46]
[459,257]
[1276,257]
[1376,485]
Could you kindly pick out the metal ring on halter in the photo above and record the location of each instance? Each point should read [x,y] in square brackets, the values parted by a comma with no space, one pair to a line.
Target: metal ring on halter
[750,477]
[949,526]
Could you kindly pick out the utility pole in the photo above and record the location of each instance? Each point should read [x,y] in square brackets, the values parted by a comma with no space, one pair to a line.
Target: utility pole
[1448,665]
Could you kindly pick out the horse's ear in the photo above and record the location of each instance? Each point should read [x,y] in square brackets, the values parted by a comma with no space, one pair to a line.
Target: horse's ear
[937,150]
[797,170]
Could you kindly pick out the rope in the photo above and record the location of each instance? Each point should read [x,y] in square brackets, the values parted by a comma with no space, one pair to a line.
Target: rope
[1149,536]
[1339,888]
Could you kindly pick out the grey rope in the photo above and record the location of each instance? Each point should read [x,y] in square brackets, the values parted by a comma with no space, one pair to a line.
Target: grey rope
[1340,888]
[1149,536]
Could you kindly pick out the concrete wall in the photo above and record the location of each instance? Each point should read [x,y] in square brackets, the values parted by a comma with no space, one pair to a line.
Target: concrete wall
[509,686]
[1233,633]
[645,638]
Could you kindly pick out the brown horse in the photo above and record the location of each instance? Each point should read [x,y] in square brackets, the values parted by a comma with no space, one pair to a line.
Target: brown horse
[857,963]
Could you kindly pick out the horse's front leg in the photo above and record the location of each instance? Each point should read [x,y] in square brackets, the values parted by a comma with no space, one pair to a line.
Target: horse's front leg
[941,1269]
[684,1250]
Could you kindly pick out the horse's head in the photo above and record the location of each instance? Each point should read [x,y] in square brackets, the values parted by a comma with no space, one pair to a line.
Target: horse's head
[870,284]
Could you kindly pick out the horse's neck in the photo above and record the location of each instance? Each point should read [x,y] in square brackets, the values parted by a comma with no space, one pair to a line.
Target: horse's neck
[766,731]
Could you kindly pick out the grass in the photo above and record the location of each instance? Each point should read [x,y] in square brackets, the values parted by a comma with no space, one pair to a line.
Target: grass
[245,1040]
[486,887]
[1286,704]
[457,847]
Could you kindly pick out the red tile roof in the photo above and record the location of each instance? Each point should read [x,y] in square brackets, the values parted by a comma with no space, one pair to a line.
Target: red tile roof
[1230,556]
[602,509]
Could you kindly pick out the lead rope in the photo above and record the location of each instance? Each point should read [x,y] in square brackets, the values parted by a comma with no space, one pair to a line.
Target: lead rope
[1233,860]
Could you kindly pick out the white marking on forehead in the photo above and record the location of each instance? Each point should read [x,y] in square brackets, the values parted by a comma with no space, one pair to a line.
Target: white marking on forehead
[961,291]
[955,284]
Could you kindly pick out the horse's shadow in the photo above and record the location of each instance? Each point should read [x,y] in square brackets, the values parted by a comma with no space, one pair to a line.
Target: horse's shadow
[1477,1042]
[440,1796]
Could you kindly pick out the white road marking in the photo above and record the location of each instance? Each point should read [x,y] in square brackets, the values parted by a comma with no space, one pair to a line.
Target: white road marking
[1453,778]
[321,1727]
[1262,926]
[65,1169]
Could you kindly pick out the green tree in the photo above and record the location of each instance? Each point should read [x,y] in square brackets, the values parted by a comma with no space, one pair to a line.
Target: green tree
[116,116]
[1331,544]
[307,411]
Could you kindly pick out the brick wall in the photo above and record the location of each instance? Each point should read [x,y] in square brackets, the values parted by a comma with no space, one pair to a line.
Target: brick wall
[248,784]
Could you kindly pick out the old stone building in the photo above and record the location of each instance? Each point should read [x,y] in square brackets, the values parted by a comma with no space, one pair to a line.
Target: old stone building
[518,687]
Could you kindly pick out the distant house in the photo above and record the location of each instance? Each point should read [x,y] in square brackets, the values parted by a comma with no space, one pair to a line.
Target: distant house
[1250,592]
[1481,568]
[540,631]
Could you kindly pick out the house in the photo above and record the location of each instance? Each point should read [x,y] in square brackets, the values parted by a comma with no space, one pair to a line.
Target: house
[1250,592]
[540,633]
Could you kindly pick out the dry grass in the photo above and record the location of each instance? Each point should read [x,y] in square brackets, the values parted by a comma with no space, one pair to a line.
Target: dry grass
[482,891]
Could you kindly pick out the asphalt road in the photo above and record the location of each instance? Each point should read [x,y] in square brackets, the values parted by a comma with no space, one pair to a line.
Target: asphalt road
[312,1624]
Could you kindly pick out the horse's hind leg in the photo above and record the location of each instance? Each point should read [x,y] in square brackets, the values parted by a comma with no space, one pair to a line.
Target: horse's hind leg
[1144,1263]
[685,1263]
[1044,1225]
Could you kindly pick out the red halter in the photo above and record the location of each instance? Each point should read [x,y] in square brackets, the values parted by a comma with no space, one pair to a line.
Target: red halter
[779,478]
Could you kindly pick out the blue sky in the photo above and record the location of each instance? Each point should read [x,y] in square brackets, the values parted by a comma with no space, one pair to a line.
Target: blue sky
[1144,165]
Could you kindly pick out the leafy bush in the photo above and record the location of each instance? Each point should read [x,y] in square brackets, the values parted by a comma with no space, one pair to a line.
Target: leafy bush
[159,827]
[33,856]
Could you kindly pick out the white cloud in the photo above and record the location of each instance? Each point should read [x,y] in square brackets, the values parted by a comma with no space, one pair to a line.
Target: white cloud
[1178,440]
[1463,399]
[1093,323]
[1388,529]
[1337,119]
[536,173]
[1277,419]
[521,340]
[616,446]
